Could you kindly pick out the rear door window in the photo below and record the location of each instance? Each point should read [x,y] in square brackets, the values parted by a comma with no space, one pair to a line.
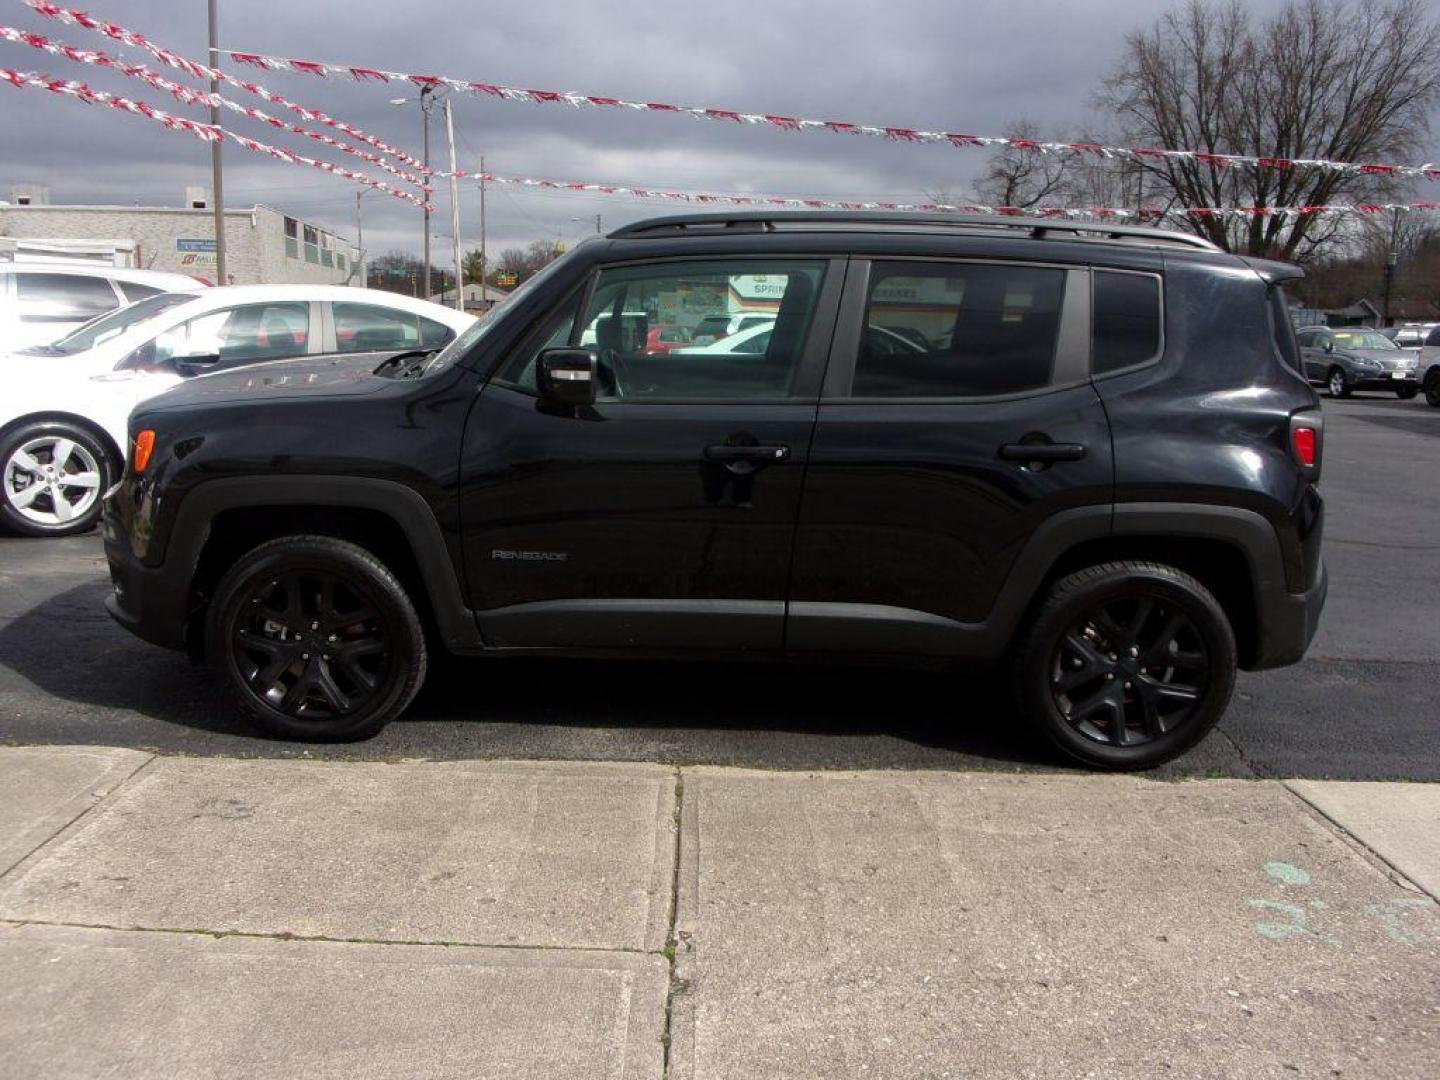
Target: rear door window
[63,297]
[240,335]
[958,330]
[371,328]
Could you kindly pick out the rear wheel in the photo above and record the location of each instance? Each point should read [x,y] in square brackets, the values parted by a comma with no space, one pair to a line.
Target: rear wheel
[1126,665]
[316,639]
[1432,387]
[1405,393]
[53,477]
[1338,383]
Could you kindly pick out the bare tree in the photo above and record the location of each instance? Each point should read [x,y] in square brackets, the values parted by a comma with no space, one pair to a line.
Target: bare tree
[1343,80]
[1024,177]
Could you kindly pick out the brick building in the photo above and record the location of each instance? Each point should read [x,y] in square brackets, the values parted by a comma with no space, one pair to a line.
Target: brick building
[264,246]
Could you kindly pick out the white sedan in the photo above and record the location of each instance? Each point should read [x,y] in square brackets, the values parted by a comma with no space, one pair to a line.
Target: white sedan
[64,406]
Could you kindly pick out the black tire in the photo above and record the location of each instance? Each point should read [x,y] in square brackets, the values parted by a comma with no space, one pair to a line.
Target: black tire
[315,639]
[42,497]
[1406,393]
[1338,383]
[1432,387]
[1155,702]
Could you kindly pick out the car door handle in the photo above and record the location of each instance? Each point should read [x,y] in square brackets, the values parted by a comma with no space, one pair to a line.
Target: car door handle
[727,453]
[1039,451]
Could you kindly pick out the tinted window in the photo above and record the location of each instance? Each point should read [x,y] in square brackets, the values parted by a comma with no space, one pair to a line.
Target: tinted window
[63,297]
[369,328]
[1126,321]
[1434,338]
[99,330]
[554,332]
[1283,328]
[956,330]
[627,301]
[135,292]
[240,335]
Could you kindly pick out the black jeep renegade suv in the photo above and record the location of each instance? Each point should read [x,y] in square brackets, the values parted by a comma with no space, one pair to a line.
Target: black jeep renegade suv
[1083,449]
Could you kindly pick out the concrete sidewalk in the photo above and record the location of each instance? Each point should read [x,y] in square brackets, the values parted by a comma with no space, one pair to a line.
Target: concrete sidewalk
[220,918]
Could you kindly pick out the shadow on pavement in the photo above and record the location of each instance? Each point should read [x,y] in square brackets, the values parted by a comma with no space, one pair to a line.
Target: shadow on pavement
[96,683]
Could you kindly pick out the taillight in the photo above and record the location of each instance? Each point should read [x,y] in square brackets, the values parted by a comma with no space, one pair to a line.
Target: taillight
[141,451]
[1307,439]
[1303,439]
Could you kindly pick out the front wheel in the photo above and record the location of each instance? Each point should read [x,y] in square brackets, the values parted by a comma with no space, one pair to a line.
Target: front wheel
[53,476]
[316,639]
[1432,388]
[1126,665]
[1338,383]
[1406,393]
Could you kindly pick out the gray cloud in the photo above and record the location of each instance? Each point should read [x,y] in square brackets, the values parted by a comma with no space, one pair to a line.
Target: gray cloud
[971,66]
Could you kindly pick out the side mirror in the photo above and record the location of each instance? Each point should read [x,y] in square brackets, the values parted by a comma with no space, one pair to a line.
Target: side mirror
[1329,346]
[198,364]
[568,376]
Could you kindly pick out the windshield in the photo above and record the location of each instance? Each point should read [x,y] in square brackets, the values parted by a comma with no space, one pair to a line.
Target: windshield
[476,331]
[1362,339]
[104,327]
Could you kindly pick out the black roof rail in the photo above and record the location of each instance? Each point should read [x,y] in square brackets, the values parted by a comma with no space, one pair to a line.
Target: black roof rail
[767,221]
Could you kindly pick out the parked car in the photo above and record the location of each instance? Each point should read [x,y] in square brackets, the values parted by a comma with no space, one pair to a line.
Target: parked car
[42,302]
[1346,359]
[1427,369]
[664,339]
[1107,481]
[63,407]
[1410,335]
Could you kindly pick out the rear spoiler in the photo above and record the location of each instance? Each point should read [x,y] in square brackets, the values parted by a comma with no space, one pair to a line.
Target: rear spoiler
[1274,273]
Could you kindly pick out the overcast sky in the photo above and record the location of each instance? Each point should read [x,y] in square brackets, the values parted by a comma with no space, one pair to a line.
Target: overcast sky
[972,66]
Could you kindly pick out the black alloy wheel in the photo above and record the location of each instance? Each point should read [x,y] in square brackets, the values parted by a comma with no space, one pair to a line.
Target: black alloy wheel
[1125,665]
[316,639]
[309,645]
[1129,671]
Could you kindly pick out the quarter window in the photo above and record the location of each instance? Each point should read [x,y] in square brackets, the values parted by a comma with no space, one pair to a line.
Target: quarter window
[369,328]
[1126,322]
[944,330]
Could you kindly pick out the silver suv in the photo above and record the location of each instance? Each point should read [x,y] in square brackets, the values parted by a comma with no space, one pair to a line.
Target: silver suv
[1428,369]
[1348,358]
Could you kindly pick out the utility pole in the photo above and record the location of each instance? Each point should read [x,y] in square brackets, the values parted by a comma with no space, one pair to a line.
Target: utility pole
[360,239]
[455,209]
[1392,257]
[597,224]
[425,94]
[484,297]
[217,194]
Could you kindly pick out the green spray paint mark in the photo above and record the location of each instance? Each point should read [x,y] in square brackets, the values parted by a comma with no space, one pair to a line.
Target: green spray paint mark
[1286,874]
[1390,914]
[1298,926]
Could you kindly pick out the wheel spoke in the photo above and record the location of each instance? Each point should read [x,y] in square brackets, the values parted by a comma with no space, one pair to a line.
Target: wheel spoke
[81,480]
[60,454]
[23,498]
[1175,692]
[329,690]
[295,697]
[26,462]
[1150,712]
[63,510]
[1144,608]
[1092,656]
[355,673]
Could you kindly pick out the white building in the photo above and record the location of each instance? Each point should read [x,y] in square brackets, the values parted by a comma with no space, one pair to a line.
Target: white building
[478,298]
[264,246]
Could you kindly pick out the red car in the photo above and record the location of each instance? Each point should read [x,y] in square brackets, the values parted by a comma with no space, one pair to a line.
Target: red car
[662,339]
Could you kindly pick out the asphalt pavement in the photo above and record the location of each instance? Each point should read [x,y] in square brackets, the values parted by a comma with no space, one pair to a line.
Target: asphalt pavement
[1365,704]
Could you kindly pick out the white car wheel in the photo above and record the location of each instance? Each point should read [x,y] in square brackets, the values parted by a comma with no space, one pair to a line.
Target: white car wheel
[52,479]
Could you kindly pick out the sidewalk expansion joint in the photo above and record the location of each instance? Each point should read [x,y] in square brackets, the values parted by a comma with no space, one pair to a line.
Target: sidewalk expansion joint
[673,984]
[94,802]
[1364,850]
[284,936]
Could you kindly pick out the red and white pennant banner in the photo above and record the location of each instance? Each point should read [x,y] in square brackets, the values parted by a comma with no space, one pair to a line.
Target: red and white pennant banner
[203,71]
[205,132]
[189,96]
[1429,171]
[1142,214]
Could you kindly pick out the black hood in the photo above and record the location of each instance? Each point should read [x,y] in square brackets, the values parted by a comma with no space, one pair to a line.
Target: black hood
[336,375]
